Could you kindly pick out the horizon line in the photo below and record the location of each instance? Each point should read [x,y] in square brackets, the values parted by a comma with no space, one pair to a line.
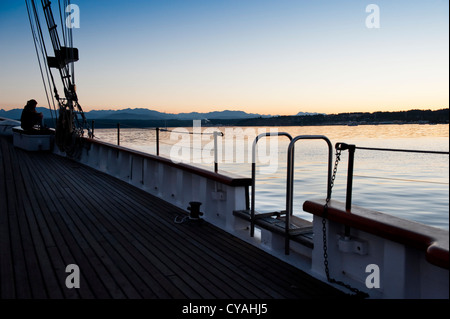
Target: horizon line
[225,110]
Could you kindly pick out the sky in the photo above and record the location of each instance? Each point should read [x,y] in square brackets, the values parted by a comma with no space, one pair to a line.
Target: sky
[276,57]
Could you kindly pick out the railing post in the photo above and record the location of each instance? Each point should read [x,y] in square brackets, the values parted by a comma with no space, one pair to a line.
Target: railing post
[351,160]
[157,141]
[216,157]
[118,133]
[93,122]
[348,196]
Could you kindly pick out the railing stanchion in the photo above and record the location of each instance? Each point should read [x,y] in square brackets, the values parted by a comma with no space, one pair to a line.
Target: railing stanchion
[348,199]
[157,141]
[348,196]
[216,157]
[118,133]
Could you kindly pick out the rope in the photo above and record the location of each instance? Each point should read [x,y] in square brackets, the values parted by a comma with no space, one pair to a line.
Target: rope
[40,40]
[50,79]
[180,221]
[33,32]
[70,36]
[400,150]
[61,18]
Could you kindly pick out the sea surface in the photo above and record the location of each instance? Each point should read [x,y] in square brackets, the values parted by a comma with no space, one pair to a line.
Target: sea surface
[409,185]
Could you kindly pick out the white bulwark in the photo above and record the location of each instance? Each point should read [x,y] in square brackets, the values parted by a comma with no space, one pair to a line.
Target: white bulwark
[32,141]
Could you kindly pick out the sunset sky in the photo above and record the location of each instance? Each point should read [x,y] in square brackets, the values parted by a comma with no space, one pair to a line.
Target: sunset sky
[265,56]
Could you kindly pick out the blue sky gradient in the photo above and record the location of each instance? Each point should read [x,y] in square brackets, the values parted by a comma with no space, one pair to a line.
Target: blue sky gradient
[270,57]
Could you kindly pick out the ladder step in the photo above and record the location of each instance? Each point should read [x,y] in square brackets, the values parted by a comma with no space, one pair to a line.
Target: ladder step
[300,230]
[275,221]
[297,225]
[246,214]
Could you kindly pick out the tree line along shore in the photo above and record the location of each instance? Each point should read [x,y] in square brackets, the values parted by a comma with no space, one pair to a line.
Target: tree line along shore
[358,118]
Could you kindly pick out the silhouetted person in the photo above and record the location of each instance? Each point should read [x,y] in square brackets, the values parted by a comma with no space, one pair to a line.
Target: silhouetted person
[30,117]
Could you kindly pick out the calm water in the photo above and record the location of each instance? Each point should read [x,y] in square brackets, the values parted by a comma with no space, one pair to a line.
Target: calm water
[408,185]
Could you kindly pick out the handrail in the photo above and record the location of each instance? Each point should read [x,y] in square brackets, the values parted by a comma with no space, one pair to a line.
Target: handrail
[290,178]
[252,208]
[433,241]
[351,151]
[158,129]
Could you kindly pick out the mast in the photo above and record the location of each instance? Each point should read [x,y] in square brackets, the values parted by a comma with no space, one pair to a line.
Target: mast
[71,120]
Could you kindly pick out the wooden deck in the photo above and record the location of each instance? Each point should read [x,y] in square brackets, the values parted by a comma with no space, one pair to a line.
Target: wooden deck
[55,212]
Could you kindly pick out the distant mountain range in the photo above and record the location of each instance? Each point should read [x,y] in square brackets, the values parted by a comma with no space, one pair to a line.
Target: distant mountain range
[149,118]
[146,114]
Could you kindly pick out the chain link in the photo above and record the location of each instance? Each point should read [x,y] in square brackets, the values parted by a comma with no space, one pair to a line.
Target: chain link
[357,292]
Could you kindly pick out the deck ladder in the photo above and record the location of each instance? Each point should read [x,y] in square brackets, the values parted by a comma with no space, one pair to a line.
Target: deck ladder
[284,222]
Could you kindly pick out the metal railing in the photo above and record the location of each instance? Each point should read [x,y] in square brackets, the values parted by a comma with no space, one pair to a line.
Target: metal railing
[157,140]
[351,158]
[290,178]
[252,207]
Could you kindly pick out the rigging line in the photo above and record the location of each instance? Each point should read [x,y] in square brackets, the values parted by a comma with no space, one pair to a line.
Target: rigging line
[47,70]
[71,46]
[49,80]
[44,47]
[83,117]
[401,179]
[48,13]
[60,16]
[35,40]
[68,39]
[400,150]
[85,123]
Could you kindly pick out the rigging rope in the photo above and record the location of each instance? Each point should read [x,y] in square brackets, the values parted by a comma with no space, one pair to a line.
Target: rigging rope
[33,32]
[39,41]
[61,19]
[69,125]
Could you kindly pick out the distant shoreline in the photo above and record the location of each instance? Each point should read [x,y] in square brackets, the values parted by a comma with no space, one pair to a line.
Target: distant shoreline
[135,120]
[132,124]
[344,119]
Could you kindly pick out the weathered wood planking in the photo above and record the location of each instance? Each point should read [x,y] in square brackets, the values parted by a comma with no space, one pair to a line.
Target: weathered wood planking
[55,212]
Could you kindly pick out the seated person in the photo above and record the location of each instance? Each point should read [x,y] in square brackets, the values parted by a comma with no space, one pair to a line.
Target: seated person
[30,117]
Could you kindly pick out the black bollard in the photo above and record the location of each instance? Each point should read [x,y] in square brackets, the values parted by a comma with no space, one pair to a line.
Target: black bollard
[194,209]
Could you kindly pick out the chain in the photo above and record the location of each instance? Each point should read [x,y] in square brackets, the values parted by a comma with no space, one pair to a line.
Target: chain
[357,292]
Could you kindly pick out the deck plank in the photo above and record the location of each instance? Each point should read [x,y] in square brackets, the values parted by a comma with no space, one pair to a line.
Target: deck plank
[30,236]
[6,265]
[202,260]
[21,277]
[124,240]
[200,264]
